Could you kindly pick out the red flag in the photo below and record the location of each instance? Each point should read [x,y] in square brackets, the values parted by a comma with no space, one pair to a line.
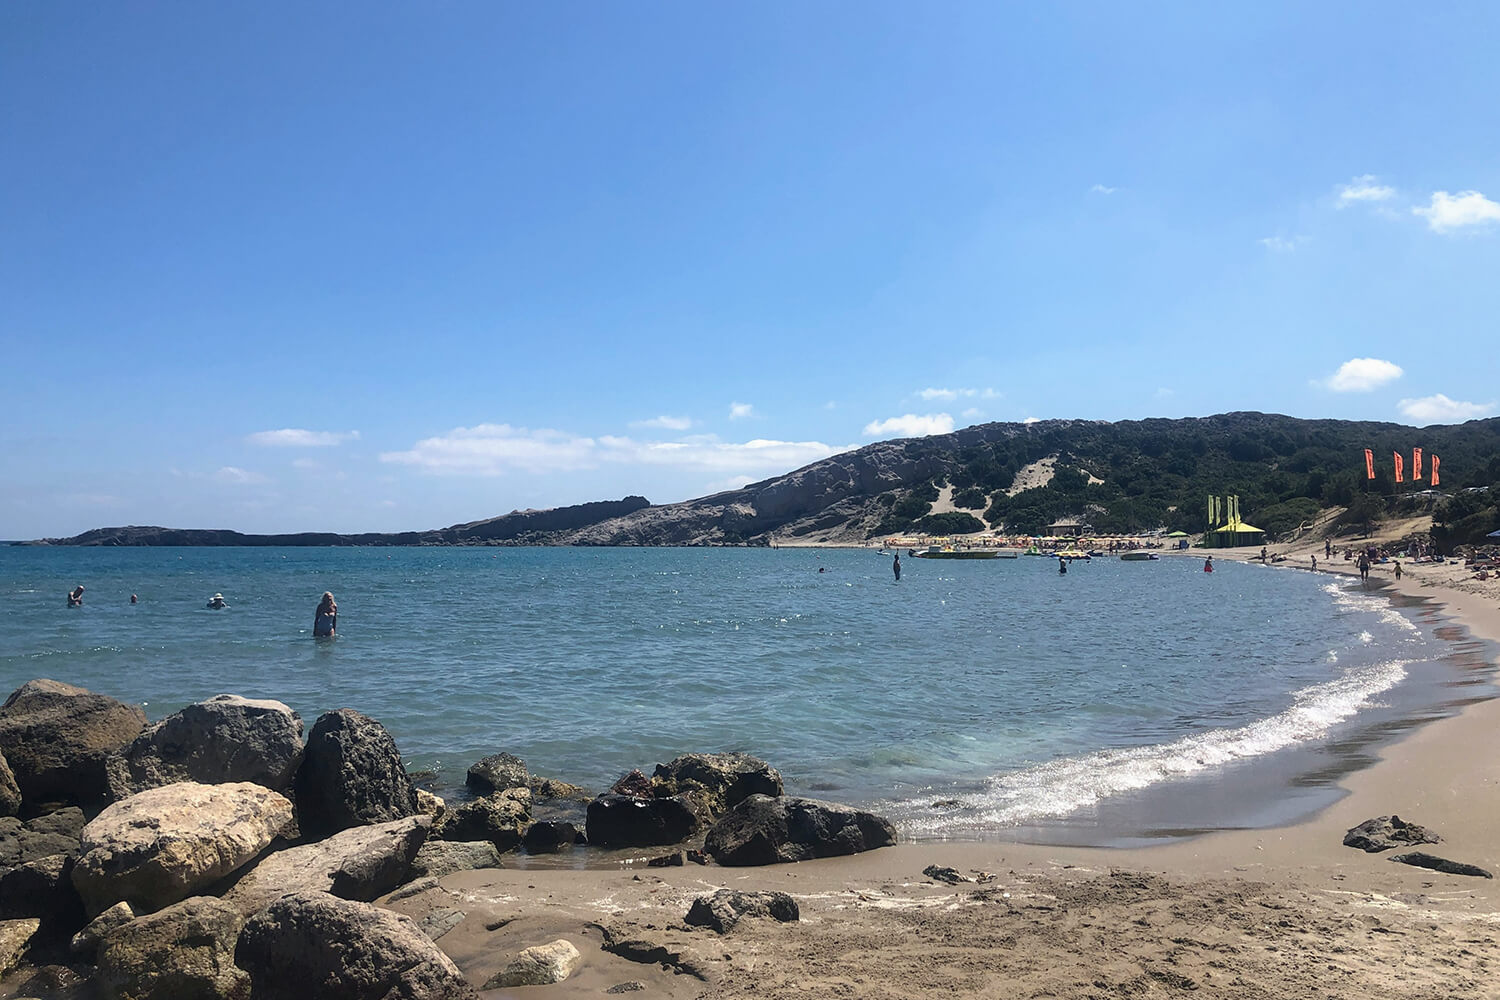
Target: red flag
[1397,456]
[1416,465]
[1369,464]
[1434,470]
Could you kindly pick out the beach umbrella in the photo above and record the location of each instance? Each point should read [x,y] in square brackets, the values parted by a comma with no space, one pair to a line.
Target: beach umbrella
[1177,534]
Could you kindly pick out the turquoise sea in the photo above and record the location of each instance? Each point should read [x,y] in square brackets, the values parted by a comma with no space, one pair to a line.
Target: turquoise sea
[971,700]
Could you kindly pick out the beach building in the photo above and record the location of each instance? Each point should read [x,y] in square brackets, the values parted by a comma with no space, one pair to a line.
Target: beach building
[1068,527]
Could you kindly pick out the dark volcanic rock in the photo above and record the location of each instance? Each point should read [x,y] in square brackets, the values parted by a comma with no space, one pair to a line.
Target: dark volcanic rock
[496,773]
[1438,864]
[41,836]
[501,819]
[313,945]
[184,951]
[723,779]
[630,821]
[550,836]
[762,830]
[351,775]
[226,738]
[43,889]
[1385,832]
[10,792]
[55,737]
[723,909]
[635,783]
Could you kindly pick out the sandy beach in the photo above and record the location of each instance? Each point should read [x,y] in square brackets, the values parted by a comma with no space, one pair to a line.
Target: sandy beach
[1285,912]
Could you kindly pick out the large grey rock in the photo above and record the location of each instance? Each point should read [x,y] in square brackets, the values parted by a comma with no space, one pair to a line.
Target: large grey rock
[550,836]
[55,737]
[351,775]
[1384,832]
[633,821]
[360,863]
[314,945]
[10,792]
[444,857]
[15,937]
[43,889]
[226,738]
[723,909]
[496,773]
[541,965]
[501,819]
[184,952]
[40,837]
[723,780]
[166,844]
[762,830]
[86,942]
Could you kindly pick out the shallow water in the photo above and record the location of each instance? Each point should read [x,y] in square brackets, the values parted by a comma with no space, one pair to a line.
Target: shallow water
[1017,698]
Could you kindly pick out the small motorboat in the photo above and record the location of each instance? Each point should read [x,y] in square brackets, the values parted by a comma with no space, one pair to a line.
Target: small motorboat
[1139,556]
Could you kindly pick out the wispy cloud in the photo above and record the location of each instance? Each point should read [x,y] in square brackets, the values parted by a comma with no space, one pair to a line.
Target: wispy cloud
[1032,420]
[1439,409]
[232,475]
[665,423]
[741,411]
[911,425]
[972,413]
[294,437]
[1280,244]
[1361,375]
[1102,189]
[952,394]
[495,449]
[1364,188]
[1449,212]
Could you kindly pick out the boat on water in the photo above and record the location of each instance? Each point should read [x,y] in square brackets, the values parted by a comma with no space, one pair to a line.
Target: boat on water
[949,552]
[1139,556]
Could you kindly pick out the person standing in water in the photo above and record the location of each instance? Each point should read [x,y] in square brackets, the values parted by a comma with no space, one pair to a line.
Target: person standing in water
[896,567]
[1208,565]
[326,618]
[1062,565]
[75,597]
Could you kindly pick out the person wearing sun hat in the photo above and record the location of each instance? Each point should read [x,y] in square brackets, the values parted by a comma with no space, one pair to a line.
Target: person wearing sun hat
[216,602]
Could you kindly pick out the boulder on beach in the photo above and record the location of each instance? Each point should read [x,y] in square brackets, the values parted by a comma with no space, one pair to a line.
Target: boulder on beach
[41,836]
[496,773]
[224,739]
[633,821]
[86,942]
[501,819]
[15,938]
[55,738]
[315,945]
[351,775]
[10,792]
[763,830]
[1384,832]
[550,836]
[723,909]
[185,950]
[444,857]
[43,889]
[361,863]
[723,780]
[541,965]
[166,844]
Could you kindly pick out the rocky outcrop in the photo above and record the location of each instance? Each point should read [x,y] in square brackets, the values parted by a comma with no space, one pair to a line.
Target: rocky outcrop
[762,830]
[51,833]
[166,844]
[501,819]
[10,792]
[633,821]
[55,738]
[541,965]
[723,909]
[86,942]
[15,938]
[1384,832]
[550,836]
[227,738]
[43,889]
[1437,864]
[444,857]
[351,775]
[496,773]
[722,780]
[314,945]
[183,951]
[361,863]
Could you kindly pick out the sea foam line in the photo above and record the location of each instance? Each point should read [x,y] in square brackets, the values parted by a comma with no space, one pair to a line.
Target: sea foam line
[1064,786]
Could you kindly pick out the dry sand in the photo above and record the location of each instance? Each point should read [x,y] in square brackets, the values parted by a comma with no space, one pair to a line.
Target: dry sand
[1278,913]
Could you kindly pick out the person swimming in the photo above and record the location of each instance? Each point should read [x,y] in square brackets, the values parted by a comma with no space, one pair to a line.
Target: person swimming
[216,602]
[326,617]
[75,597]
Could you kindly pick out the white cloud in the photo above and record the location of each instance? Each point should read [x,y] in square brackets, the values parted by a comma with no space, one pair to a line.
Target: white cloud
[292,437]
[1364,188]
[1032,420]
[1361,375]
[911,425]
[1439,409]
[740,411]
[666,423]
[972,413]
[952,394]
[495,449]
[1448,212]
[1102,189]
[235,476]
[1280,244]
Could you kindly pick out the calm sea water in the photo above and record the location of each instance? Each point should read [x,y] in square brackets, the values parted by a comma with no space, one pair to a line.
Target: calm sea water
[969,700]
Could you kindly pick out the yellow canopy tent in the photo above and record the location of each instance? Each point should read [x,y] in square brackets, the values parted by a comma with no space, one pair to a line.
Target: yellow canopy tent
[1234,533]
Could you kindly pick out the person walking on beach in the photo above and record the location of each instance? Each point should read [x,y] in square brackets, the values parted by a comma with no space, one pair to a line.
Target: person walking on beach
[896,567]
[75,597]
[326,618]
[1315,560]
[1364,566]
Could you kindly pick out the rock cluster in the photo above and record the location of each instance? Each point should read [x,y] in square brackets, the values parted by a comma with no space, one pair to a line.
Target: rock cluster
[215,854]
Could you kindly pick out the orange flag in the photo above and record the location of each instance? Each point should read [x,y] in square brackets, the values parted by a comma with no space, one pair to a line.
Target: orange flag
[1369,464]
[1416,465]
[1397,456]
[1434,470]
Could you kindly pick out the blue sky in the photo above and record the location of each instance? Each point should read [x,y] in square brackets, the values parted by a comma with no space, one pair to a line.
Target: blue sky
[284,267]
